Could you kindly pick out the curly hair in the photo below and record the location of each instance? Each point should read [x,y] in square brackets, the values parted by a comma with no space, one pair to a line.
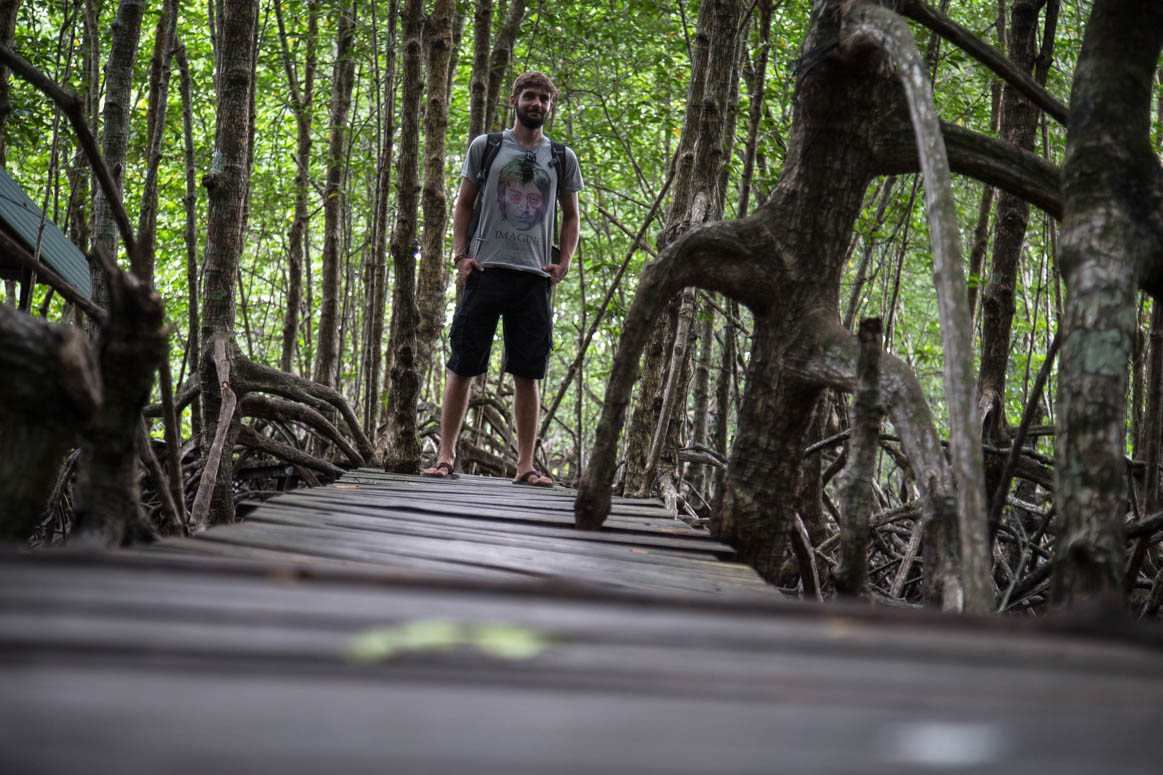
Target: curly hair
[534,78]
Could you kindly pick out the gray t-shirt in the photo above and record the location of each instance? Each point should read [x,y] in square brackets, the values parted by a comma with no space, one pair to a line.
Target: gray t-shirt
[517,209]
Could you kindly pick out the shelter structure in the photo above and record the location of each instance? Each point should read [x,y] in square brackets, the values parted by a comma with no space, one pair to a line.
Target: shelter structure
[26,234]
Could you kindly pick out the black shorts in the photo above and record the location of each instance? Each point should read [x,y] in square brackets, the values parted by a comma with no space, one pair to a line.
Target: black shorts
[522,300]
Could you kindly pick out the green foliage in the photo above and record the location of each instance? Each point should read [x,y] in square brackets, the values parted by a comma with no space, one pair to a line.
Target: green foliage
[622,67]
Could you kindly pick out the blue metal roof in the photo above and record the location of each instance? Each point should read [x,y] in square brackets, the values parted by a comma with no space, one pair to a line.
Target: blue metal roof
[23,216]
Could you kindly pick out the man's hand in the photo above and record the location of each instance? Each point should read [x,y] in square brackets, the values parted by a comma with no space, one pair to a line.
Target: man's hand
[556,272]
[466,265]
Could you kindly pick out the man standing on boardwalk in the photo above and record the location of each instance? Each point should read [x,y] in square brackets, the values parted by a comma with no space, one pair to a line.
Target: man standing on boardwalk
[508,266]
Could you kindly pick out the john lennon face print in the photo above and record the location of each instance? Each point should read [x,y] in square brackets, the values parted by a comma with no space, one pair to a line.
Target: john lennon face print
[522,193]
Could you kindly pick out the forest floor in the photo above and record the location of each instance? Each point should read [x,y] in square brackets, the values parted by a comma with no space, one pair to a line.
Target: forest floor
[400,624]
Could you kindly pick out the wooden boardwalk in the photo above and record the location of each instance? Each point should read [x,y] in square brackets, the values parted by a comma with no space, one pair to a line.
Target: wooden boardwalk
[402,625]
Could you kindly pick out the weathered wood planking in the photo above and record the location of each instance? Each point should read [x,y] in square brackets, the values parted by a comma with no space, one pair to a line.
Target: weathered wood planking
[233,651]
[122,664]
[482,528]
[490,493]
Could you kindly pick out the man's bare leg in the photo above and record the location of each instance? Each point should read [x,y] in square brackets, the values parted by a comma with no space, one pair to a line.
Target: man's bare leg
[527,408]
[452,411]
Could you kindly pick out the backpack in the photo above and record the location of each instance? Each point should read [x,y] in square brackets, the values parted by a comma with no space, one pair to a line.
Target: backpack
[492,147]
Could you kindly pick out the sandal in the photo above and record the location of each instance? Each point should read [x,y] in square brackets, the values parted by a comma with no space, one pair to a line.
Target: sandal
[440,471]
[526,479]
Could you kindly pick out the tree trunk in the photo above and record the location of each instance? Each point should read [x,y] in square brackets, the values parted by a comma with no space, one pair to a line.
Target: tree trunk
[857,499]
[301,101]
[696,201]
[1111,242]
[115,130]
[334,197]
[132,343]
[402,444]
[159,89]
[58,392]
[374,396]
[885,29]
[702,392]
[984,210]
[1019,123]
[644,424]
[755,90]
[80,197]
[434,264]
[499,63]
[8,9]
[723,385]
[478,85]
[189,202]
[227,187]
[785,262]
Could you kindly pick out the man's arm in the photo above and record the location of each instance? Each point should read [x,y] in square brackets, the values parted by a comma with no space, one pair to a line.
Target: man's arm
[461,223]
[570,227]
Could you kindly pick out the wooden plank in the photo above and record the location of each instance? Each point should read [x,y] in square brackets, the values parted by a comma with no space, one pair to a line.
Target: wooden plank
[739,577]
[197,722]
[127,588]
[468,505]
[496,487]
[296,644]
[530,536]
[327,545]
[265,638]
[386,512]
[454,555]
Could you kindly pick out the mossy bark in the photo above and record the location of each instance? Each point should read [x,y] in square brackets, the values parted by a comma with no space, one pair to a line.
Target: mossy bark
[1112,243]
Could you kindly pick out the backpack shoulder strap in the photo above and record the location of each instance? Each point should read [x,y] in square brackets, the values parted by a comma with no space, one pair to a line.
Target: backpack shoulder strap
[558,150]
[558,162]
[492,146]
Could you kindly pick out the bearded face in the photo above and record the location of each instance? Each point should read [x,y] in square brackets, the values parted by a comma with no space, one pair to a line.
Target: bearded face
[532,107]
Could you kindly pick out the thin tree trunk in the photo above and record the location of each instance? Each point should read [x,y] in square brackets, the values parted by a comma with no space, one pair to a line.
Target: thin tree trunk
[984,211]
[189,202]
[165,42]
[857,499]
[80,203]
[374,396]
[478,85]
[702,392]
[402,447]
[8,9]
[696,201]
[166,39]
[649,404]
[755,88]
[433,279]
[499,63]
[1019,123]
[723,404]
[884,194]
[227,186]
[301,101]
[125,34]
[334,197]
